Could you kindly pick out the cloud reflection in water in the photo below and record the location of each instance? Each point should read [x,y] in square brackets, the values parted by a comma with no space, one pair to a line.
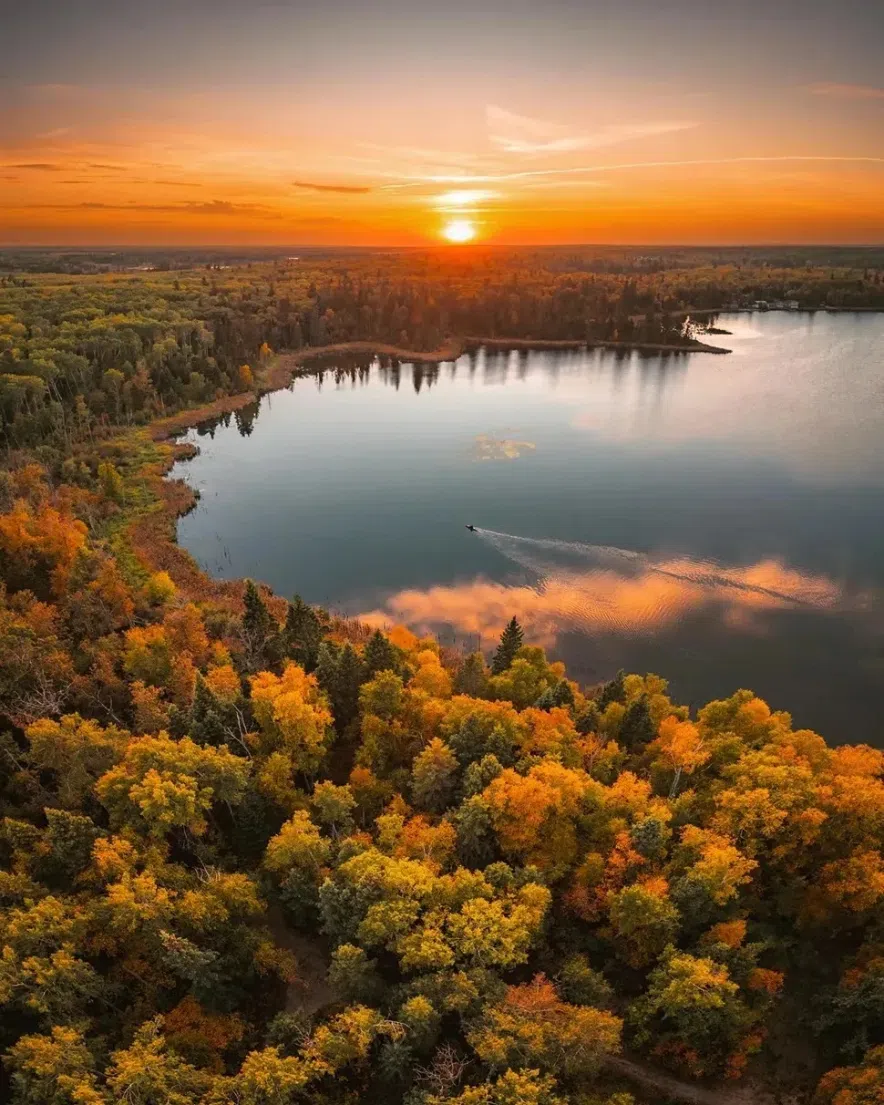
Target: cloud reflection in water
[597,589]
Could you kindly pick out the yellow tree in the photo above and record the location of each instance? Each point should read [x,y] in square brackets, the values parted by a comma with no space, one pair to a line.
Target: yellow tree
[294,717]
[680,747]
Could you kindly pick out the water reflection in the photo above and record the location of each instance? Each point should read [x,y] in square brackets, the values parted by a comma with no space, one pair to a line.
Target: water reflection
[592,589]
[757,479]
[653,372]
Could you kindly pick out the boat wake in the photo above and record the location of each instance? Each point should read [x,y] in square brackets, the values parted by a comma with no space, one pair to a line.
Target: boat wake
[591,570]
[601,590]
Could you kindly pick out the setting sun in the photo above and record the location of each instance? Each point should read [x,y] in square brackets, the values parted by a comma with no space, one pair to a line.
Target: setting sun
[459,230]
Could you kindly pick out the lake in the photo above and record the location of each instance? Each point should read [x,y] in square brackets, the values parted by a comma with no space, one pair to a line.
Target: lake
[716,519]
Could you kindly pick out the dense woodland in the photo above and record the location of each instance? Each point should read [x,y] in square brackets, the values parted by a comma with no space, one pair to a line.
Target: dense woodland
[250,853]
[81,353]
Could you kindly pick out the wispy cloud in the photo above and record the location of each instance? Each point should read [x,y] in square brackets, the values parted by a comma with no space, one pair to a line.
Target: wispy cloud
[419,180]
[345,189]
[58,132]
[421,155]
[213,207]
[461,198]
[519,134]
[846,91]
[38,167]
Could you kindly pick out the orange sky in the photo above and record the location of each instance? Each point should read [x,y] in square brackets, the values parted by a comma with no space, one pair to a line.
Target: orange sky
[232,123]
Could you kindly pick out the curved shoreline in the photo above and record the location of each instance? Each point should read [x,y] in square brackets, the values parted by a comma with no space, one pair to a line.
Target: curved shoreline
[286,366]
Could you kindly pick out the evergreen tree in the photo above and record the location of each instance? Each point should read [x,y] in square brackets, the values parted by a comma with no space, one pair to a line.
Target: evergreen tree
[587,721]
[613,691]
[510,643]
[301,634]
[637,728]
[480,773]
[547,699]
[340,674]
[563,694]
[379,655]
[326,671]
[257,625]
[206,722]
[472,676]
[349,680]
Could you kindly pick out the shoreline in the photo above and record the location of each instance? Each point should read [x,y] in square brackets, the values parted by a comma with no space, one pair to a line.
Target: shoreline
[689,346]
[286,366]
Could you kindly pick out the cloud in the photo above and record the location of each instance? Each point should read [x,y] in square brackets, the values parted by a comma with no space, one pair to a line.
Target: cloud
[519,134]
[446,160]
[213,207]
[846,91]
[419,180]
[461,198]
[38,167]
[345,189]
[649,599]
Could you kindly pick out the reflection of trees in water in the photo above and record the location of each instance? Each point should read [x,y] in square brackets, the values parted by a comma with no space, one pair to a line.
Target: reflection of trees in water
[208,428]
[495,367]
[246,417]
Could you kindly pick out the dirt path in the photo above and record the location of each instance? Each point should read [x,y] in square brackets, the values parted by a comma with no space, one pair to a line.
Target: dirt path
[311,991]
[651,1078]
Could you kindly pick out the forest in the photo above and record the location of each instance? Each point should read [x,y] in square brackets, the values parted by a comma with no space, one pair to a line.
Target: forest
[80,353]
[254,853]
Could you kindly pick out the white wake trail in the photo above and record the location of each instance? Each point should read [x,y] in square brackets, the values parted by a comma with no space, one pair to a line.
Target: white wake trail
[576,563]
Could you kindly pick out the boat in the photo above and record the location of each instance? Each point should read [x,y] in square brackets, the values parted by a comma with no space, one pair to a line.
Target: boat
[472,529]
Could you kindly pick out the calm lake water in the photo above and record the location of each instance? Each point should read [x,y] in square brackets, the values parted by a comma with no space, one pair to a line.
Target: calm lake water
[719,520]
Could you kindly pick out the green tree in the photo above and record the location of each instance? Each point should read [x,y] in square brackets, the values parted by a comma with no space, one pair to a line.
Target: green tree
[379,655]
[693,1006]
[587,721]
[580,984]
[327,666]
[612,691]
[472,676]
[333,807]
[256,627]
[340,673]
[206,720]
[476,839]
[637,728]
[353,976]
[510,643]
[434,777]
[644,921]
[301,634]
[345,691]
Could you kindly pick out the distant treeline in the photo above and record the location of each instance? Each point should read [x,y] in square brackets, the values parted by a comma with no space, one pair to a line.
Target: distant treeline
[84,352]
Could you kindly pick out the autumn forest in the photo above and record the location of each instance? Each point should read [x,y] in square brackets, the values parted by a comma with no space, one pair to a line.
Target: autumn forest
[253,852]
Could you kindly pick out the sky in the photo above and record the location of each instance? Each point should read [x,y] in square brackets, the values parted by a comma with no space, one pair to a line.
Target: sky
[410,122]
